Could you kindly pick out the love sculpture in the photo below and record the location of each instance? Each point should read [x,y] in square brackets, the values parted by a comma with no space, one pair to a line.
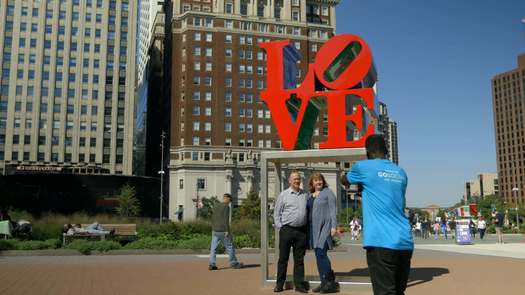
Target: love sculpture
[343,74]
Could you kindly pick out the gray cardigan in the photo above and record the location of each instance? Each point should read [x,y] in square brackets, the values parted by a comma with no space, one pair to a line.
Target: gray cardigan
[323,218]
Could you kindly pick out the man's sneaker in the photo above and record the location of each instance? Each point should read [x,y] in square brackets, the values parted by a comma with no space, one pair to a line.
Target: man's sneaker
[238,265]
[212,267]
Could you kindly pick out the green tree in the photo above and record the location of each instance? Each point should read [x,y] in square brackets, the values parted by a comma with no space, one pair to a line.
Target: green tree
[128,204]
[251,207]
[206,210]
[488,204]
[344,216]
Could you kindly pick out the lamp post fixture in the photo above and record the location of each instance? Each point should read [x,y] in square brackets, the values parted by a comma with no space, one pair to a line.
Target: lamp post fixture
[515,190]
[161,172]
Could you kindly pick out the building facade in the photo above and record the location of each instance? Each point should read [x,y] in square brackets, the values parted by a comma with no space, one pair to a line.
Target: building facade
[388,128]
[508,102]
[485,184]
[219,124]
[67,85]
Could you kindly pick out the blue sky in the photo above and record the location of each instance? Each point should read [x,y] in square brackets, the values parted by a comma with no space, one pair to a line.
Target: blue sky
[435,61]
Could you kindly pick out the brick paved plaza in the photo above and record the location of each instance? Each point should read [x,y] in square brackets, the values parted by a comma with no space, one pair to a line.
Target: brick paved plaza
[438,268]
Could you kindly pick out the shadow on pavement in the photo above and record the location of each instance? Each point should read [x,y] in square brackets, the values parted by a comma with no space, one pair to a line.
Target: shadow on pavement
[251,265]
[245,266]
[420,275]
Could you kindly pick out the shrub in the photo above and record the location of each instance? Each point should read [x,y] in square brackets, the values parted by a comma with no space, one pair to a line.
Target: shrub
[250,228]
[6,245]
[151,230]
[196,227]
[245,241]
[195,242]
[29,245]
[174,231]
[46,229]
[344,216]
[86,247]
[155,243]
[251,206]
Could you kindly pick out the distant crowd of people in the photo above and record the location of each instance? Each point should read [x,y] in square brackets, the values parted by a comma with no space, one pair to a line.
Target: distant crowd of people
[445,228]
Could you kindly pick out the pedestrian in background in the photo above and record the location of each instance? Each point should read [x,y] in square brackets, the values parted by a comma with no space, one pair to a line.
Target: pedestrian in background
[444,228]
[220,224]
[436,230]
[482,226]
[498,221]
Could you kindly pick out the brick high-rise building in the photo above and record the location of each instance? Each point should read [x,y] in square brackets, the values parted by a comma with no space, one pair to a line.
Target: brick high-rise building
[219,124]
[508,97]
[67,85]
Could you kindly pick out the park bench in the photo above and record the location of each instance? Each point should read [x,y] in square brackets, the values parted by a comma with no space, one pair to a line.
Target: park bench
[120,230]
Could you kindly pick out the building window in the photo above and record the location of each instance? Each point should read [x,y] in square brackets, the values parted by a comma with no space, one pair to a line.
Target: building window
[195,141]
[260,8]
[196,111]
[244,7]
[228,97]
[181,183]
[201,183]
[228,7]
[325,10]
[196,51]
[295,15]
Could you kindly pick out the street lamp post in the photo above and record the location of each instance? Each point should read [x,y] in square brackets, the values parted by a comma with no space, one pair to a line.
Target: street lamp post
[161,172]
[515,190]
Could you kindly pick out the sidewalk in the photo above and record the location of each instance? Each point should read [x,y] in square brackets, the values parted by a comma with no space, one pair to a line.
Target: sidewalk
[499,250]
[446,271]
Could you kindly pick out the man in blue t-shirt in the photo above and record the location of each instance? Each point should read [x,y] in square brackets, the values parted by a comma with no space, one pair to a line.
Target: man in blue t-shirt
[387,234]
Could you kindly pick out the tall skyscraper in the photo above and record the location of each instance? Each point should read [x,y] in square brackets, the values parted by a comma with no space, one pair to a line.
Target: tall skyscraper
[219,124]
[508,102]
[67,85]
[148,10]
[389,130]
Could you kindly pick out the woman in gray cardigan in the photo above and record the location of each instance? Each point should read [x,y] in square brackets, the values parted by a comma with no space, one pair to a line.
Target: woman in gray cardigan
[322,227]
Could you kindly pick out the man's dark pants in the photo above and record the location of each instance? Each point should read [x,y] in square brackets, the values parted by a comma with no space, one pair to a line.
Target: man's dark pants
[389,270]
[291,237]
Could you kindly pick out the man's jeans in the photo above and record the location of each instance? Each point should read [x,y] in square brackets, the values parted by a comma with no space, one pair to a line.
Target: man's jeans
[227,242]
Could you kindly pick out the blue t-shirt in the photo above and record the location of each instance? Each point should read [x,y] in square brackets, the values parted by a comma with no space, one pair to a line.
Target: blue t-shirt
[384,221]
